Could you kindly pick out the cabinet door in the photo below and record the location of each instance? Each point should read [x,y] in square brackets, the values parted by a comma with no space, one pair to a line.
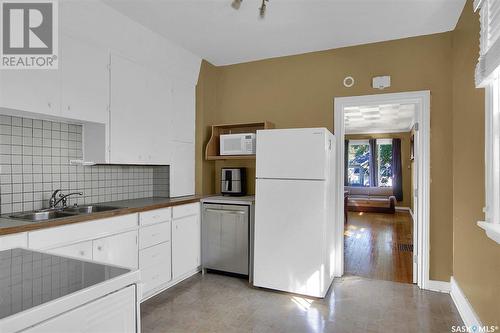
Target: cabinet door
[185,245]
[182,169]
[140,116]
[113,313]
[32,90]
[184,108]
[84,77]
[80,250]
[121,250]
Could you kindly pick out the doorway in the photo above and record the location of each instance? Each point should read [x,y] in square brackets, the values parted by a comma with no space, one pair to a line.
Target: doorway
[370,108]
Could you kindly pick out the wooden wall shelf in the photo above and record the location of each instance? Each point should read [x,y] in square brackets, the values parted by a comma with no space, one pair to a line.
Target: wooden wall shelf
[213,145]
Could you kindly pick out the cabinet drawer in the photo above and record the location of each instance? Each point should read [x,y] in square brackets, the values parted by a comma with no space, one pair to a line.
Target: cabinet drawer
[155,234]
[155,216]
[155,266]
[72,233]
[79,250]
[155,256]
[185,210]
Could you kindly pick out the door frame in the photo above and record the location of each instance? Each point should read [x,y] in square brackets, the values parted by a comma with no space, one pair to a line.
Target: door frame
[422,163]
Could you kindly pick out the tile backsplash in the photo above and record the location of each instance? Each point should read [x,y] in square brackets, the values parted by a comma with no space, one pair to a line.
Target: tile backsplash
[34,161]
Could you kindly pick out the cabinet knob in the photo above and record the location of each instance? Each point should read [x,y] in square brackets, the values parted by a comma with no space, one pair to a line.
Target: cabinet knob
[82,253]
[99,248]
[49,104]
[69,108]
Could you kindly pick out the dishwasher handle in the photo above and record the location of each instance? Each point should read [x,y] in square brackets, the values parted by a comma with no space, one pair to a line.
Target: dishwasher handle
[225,211]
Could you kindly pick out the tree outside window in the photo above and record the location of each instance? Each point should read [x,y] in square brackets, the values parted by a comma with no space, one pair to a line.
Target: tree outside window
[358,172]
[359,163]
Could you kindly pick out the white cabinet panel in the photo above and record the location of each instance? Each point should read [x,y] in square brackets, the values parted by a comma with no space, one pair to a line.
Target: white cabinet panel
[80,250]
[186,210]
[32,90]
[155,234]
[14,240]
[155,216]
[185,245]
[182,169]
[155,263]
[72,233]
[113,313]
[140,116]
[84,78]
[121,250]
[184,110]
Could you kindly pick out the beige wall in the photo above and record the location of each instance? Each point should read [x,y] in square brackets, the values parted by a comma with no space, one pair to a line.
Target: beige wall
[405,159]
[298,91]
[476,258]
[205,116]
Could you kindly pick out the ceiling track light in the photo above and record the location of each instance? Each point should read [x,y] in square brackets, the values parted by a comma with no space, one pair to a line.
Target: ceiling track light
[236,4]
[262,9]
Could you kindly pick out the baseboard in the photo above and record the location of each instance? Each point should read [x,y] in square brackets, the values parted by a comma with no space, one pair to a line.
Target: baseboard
[440,286]
[405,209]
[469,316]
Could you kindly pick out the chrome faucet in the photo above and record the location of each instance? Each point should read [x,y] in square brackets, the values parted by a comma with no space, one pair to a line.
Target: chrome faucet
[63,198]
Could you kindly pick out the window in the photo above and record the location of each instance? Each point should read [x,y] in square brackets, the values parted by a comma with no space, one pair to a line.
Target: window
[487,76]
[359,163]
[359,160]
[384,162]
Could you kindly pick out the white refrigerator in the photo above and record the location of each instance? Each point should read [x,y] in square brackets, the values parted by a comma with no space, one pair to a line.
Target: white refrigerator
[295,210]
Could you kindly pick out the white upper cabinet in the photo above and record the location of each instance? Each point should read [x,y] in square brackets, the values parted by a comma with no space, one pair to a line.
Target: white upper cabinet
[84,80]
[140,116]
[182,169]
[183,116]
[31,90]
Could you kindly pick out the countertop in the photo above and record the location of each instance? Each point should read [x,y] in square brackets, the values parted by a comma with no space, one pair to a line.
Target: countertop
[29,278]
[12,226]
[224,199]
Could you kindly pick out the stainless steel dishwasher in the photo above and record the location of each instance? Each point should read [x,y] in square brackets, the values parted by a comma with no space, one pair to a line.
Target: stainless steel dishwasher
[226,238]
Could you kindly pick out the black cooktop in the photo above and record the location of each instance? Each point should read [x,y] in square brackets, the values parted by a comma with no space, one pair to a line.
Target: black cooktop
[29,278]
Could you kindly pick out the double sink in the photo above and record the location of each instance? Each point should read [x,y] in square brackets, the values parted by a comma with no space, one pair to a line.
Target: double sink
[52,214]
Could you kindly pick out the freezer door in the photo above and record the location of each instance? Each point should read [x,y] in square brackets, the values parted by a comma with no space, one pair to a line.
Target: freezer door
[299,153]
[290,236]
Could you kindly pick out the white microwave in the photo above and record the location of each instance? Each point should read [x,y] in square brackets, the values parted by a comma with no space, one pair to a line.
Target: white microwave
[237,144]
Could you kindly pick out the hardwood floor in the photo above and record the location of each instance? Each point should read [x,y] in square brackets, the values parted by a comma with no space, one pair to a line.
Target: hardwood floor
[376,246]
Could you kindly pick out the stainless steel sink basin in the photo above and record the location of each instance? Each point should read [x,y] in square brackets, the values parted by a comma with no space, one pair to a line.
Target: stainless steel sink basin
[41,215]
[88,209]
[52,214]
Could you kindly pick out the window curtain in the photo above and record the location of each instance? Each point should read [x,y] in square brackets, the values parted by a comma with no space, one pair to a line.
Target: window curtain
[397,172]
[489,53]
[346,162]
[373,162]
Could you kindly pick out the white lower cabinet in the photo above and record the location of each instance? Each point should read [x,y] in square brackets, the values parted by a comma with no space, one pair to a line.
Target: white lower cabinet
[113,313]
[121,249]
[185,244]
[81,250]
[155,264]
[14,240]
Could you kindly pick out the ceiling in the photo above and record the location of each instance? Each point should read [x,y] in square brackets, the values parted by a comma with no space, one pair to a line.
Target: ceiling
[387,118]
[215,31]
